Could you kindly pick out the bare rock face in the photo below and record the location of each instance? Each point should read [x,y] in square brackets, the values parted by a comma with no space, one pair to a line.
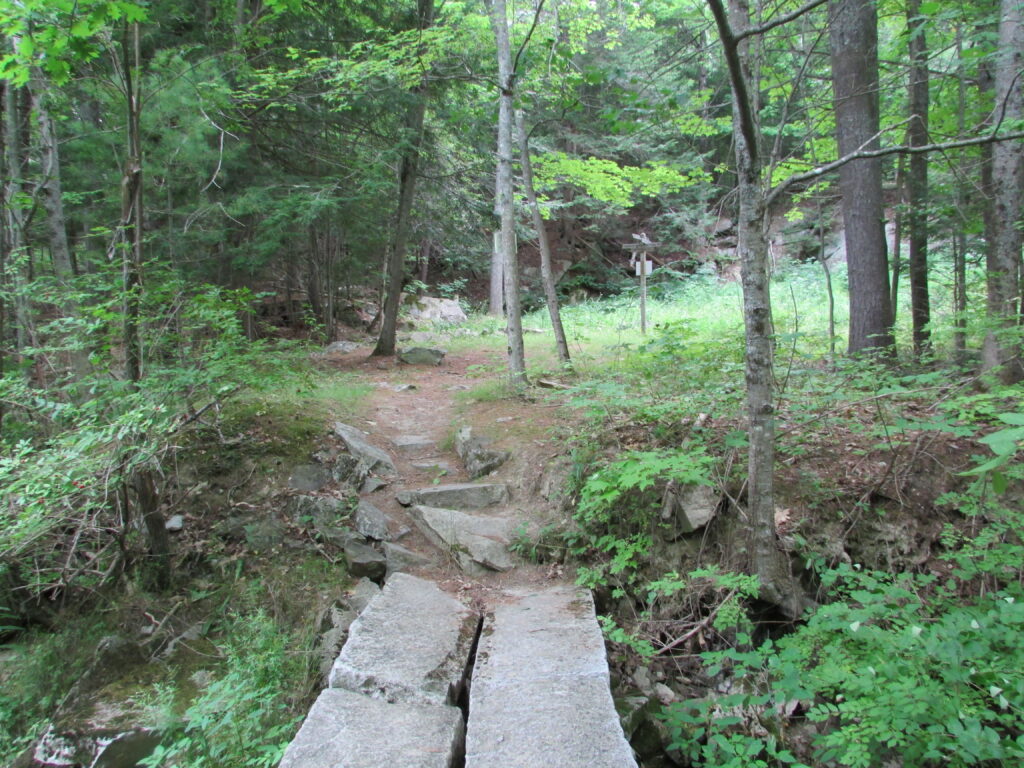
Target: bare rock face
[429,309]
[477,457]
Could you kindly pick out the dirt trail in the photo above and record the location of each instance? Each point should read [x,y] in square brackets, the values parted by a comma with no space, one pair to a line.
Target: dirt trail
[421,400]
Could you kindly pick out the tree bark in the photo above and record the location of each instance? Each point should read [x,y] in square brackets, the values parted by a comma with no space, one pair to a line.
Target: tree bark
[1003,260]
[503,203]
[406,193]
[960,236]
[917,180]
[546,276]
[132,220]
[854,41]
[496,305]
[767,560]
[51,192]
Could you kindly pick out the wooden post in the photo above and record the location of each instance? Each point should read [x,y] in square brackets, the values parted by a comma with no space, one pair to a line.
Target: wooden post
[643,292]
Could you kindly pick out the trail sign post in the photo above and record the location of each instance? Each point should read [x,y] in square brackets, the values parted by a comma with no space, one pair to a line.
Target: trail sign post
[643,267]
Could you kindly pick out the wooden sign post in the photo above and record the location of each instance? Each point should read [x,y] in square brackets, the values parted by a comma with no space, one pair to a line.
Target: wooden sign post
[643,268]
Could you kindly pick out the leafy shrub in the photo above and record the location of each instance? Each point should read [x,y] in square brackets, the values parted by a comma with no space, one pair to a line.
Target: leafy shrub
[243,718]
[618,504]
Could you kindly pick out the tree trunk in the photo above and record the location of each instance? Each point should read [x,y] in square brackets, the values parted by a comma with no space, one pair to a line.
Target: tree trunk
[503,195]
[767,560]
[917,180]
[406,192]
[1003,259]
[897,234]
[960,236]
[854,34]
[13,215]
[496,305]
[546,276]
[132,221]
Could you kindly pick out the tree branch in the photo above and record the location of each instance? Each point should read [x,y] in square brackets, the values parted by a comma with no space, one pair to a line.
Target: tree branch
[741,97]
[526,40]
[901,149]
[779,20]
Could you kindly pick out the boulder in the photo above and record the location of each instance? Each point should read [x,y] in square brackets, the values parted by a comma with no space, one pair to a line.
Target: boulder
[401,559]
[687,508]
[309,477]
[371,522]
[175,523]
[477,457]
[341,347]
[374,458]
[428,309]
[348,470]
[457,495]
[266,534]
[477,543]
[364,560]
[421,356]
[362,595]
[372,484]
[334,625]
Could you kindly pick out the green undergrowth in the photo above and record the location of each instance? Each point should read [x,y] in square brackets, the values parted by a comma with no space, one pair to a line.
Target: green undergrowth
[920,666]
[231,694]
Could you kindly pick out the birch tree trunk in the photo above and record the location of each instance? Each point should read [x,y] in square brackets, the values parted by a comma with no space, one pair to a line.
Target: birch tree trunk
[406,193]
[503,195]
[1003,261]
[546,276]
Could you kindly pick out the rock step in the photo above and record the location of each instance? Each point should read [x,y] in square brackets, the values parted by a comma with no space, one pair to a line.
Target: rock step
[541,692]
[478,543]
[351,730]
[410,645]
[372,457]
[457,496]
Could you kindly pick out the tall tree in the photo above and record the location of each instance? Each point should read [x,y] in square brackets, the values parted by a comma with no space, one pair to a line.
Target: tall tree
[543,244]
[413,135]
[854,41]
[1003,260]
[767,561]
[503,200]
[917,178]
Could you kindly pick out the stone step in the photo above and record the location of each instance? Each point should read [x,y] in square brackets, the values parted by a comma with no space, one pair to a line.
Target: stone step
[478,543]
[457,496]
[350,730]
[411,445]
[374,458]
[540,694]
[411,644]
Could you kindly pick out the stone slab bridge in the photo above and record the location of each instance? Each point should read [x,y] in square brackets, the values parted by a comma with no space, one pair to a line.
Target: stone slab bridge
[424,682]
